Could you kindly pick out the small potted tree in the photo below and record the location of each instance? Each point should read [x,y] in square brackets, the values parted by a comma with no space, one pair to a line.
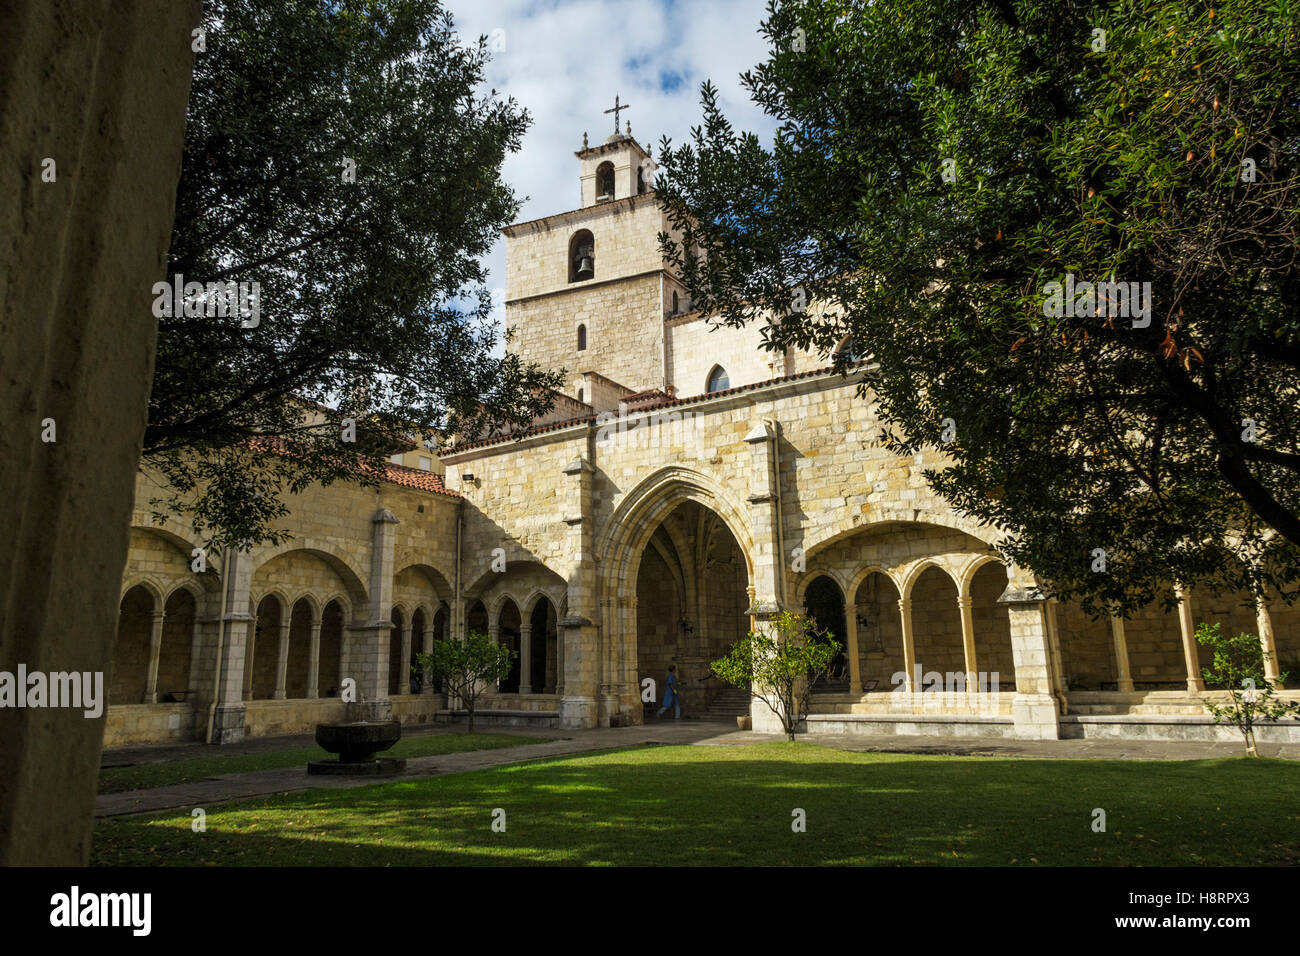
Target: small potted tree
[781,669]
[1238,667]
[467,667]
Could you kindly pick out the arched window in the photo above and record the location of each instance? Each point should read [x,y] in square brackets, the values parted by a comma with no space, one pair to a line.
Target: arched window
[579,394]
[604,181]
[718,380]
[640,180]
[676,307]
[582,256]
[849,350]
[582,338]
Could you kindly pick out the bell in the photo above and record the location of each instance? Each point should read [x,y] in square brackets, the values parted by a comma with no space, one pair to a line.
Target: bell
[586,268]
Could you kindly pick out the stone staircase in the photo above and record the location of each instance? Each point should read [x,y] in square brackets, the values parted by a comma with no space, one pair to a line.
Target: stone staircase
[730,702]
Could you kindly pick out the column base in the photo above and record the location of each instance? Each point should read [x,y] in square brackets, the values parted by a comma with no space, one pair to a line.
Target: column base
[578,712]
[228,724]
[1036,717]
[763,719]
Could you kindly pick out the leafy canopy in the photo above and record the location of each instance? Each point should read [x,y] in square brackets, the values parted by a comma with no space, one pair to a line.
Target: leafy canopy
[373,305]
[938,165]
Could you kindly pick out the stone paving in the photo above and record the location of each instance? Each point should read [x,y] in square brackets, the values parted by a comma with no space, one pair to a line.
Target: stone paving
[238,786]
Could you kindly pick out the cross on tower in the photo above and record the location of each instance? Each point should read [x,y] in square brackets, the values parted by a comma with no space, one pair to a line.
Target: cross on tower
[615,112]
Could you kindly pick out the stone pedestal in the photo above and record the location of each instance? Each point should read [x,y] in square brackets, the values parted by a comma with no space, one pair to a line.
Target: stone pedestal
[1036,709]
[228,723]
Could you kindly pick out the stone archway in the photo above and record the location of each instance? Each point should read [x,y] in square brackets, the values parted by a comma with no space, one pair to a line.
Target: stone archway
[174,653]
[691,602]
[622,545]
[543,646]
[131,650]
[330,664]
[508,633]
[824,604]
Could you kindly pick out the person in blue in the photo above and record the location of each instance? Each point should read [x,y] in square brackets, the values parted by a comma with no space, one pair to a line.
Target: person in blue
[671,698]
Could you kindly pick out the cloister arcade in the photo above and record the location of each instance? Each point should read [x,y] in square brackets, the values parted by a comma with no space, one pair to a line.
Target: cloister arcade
[905,601]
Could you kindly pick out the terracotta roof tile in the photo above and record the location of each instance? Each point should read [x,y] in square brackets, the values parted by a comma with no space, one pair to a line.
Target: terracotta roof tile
[417,478]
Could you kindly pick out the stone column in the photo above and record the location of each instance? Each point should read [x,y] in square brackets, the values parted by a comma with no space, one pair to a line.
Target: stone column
[1267,642]
[228,716]
[581,704]
[1123,677]
[404,676]
[909,645]
[428,687]
[494,632]
[282,661]
[313,673]
[155,654]
[370,648]
[525,657]
[964,606]
[768,560]
[1187,625]
[627,616]
[1036,710]
[851,642]
[246,691]
[764,511]
[193,680]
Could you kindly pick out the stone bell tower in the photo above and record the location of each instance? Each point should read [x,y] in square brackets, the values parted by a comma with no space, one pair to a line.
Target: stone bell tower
[586,290]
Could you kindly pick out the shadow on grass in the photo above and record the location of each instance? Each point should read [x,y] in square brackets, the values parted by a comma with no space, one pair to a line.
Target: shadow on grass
[735,806]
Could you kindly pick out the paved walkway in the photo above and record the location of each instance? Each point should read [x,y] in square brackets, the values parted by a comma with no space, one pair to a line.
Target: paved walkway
[239,786]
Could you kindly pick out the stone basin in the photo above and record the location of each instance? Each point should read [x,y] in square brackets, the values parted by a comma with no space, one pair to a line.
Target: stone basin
[356,743]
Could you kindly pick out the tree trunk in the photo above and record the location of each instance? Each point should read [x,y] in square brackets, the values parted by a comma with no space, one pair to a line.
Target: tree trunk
[92,93]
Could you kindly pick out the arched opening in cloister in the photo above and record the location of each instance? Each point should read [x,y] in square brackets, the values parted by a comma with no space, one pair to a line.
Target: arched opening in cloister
[395,634]
[298,675]
[420,644]
[175,653]
[508,633]
[936,624]
[824,604]
[543,647]
[880,632]
[131,647]
[691,602]
[264,655]
[329,667]
[992,627]
[477,619]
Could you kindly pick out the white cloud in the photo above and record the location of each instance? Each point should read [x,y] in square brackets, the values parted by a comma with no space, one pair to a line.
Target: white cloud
[564,61]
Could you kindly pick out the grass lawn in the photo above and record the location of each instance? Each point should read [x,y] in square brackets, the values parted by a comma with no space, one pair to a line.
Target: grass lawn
[732,805]
[165,773]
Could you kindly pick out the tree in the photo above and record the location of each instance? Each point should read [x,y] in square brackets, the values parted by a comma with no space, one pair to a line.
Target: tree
[1238,667]
[468,667]
[341,156]
[781,670]
[936,168]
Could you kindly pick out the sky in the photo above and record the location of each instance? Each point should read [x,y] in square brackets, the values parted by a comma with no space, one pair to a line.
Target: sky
[564,61]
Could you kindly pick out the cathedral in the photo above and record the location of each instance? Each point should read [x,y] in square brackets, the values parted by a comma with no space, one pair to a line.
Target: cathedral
[686,487]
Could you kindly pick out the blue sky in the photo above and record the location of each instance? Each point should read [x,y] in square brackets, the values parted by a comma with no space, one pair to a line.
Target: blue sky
[564,61]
